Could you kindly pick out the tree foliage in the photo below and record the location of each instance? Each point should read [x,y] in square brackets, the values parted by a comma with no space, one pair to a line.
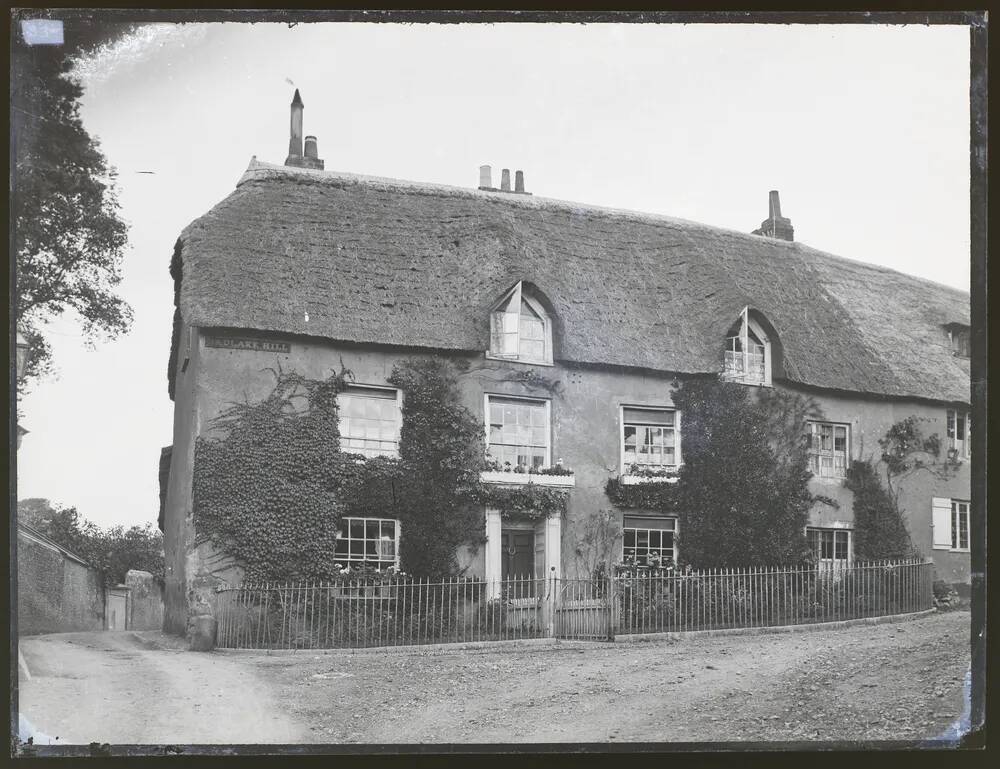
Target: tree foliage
[441,452]
[114,550]
[743,492]
[69,237]
[879,528]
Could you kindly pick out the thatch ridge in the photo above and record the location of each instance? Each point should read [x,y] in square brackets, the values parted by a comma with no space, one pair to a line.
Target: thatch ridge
[375,260]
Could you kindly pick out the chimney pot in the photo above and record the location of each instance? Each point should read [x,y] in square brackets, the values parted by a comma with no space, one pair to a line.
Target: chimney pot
[774,205]
[485,178]
[519,181]
[776,225]
[295,131]
[505,180]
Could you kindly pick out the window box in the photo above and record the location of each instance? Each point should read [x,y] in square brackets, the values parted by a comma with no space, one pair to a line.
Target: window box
[502,476]
[635,480]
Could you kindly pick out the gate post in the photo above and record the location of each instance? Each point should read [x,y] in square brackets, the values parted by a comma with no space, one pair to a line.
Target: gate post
[551,603]
[613,606]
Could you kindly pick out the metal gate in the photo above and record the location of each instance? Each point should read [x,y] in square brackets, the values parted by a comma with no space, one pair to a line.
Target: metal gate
[584,609]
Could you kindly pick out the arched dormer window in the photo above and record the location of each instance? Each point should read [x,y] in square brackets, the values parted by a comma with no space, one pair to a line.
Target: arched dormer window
[520,328]
[748,352]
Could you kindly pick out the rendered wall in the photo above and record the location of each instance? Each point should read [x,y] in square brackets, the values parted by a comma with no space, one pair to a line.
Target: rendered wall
[585,435]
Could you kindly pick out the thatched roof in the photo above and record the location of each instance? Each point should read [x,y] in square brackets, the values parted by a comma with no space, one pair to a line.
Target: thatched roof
[386,261]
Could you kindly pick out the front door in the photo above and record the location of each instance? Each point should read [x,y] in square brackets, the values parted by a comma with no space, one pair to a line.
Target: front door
[518,563]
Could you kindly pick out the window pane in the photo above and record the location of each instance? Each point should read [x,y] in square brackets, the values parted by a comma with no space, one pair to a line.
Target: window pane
[532,350]
[637,416]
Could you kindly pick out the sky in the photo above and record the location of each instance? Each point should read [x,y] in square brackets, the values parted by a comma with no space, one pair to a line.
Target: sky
[863,129]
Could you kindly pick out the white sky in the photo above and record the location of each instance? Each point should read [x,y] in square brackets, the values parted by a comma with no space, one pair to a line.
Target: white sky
[863,129]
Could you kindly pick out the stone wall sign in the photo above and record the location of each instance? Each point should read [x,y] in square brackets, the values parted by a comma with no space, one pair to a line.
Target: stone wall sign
[246,343]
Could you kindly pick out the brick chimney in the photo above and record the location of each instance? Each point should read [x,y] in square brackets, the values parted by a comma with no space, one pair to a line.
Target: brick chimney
[296,157]
[776,225]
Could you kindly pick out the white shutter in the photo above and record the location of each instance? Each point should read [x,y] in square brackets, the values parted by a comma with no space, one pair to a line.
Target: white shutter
[941,523]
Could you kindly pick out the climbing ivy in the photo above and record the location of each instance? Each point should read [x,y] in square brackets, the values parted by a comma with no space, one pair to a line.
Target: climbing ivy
[879,521]
[441,452]
[879,528]
[271,484]
[268,491]
[645,495]
[529,501]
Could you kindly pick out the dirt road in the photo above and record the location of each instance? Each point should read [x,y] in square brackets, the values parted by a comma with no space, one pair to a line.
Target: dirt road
[873,682]
[144,688]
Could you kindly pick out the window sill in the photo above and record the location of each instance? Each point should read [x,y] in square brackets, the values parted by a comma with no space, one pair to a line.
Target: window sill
[523,479]
[831,479]
[490,356]
[634,480]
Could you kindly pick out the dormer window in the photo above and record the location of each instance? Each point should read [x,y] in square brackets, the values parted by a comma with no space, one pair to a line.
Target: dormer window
[748,352]
[958,335]
[520,328]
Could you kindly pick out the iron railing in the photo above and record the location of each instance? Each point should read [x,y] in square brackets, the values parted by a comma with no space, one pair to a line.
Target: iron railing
[770,596]
[393,611]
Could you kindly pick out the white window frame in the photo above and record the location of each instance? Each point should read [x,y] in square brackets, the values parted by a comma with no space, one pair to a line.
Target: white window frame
[963,447]
[349,561]
[957,513]
[515,296]
[818,453]
[399,415]
[623,464]
[834,531]
[674,531]
[548,420]
[748,324]
[954,333]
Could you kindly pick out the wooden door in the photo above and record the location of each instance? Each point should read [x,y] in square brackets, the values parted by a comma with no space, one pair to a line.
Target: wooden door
[518,565]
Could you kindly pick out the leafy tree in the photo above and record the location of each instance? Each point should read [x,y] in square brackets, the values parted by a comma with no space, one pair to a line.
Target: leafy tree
[880,531]
[69,238]
[114,550]
[441,455]
[743,491]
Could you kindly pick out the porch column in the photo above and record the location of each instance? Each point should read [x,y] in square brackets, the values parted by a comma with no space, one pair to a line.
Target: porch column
[494,556]
[552,533]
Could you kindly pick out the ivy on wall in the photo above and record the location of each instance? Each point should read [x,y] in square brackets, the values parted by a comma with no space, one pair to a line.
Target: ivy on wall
[271,491]
[268,492]
[530,501]
[657,496]
[879,529]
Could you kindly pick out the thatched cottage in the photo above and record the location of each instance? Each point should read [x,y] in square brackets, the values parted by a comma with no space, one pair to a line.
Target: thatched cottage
[309,267]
